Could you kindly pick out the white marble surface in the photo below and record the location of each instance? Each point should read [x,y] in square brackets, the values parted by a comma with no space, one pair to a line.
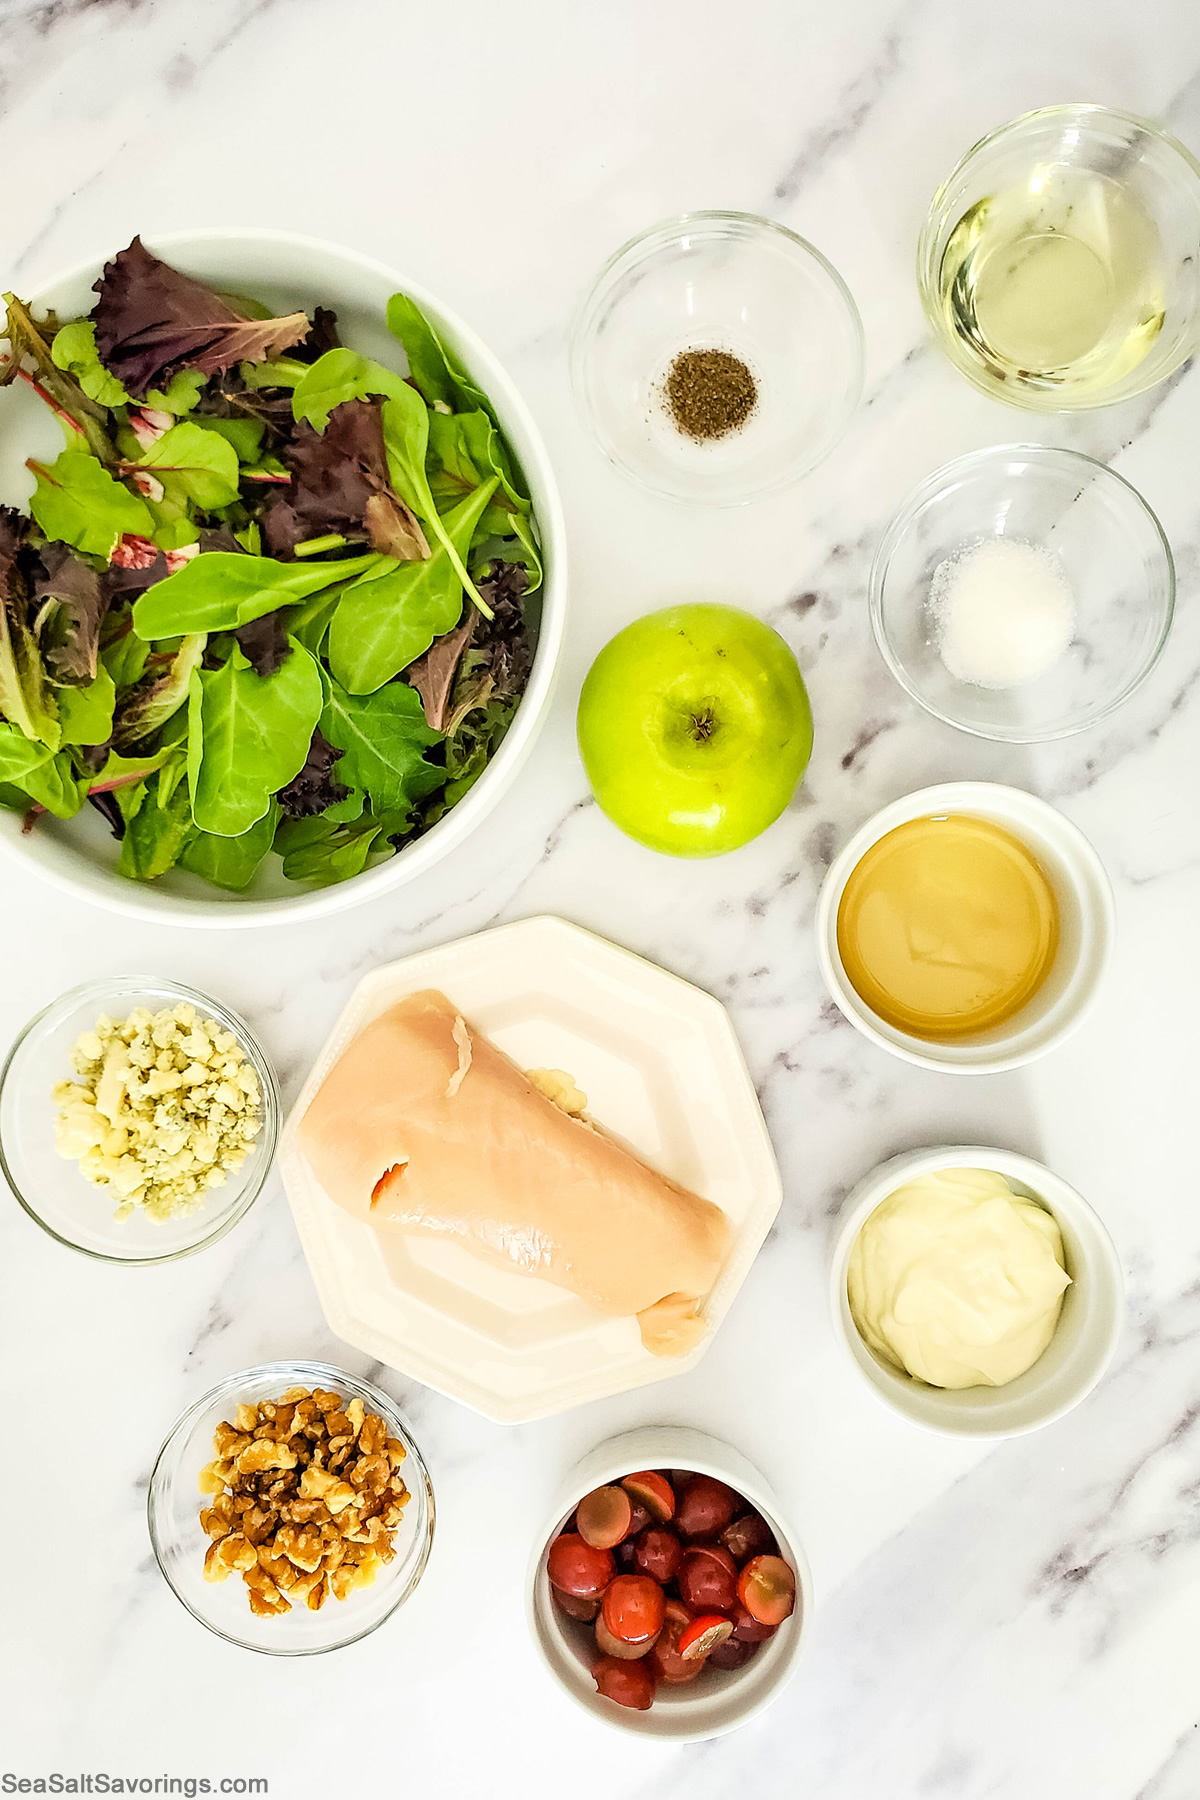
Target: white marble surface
[1012,1625]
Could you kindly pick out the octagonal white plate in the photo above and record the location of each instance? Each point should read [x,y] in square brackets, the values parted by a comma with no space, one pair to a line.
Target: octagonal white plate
[662,1068]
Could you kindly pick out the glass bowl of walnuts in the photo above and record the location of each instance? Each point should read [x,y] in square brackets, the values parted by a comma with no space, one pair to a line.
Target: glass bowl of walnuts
[290,1510]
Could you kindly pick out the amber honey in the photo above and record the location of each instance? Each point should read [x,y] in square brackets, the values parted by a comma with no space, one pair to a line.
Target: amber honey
[948,926]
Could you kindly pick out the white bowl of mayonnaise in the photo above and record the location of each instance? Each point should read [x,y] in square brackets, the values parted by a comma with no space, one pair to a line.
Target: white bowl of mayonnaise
[963,1262]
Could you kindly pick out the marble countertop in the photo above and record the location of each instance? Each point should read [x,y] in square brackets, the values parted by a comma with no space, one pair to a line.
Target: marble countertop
[1013,1623]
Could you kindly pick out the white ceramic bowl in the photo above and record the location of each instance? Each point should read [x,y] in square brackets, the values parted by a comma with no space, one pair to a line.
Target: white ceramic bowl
[718,1700]
[1088,1328]
[1087,928]
[288,270]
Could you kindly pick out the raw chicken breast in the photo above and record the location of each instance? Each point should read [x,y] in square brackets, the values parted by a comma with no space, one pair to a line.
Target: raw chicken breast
[424,1126]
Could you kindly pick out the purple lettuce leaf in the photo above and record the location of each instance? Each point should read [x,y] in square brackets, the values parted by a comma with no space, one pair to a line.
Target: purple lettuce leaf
[434,673]
[316,787]
[152,320]
[341,483]
[264,643]
[71,600]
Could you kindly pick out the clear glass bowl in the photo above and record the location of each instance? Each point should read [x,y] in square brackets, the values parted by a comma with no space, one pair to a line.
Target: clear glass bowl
[1110,547]
[1126,163]
[175,1501]
[718,281]
[53,1191]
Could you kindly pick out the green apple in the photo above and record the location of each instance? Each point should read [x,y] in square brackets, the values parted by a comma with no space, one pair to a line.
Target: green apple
[695,728]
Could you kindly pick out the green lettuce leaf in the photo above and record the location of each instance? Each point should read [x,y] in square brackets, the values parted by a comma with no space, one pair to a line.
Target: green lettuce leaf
[85,714]
[194,464]
[148,707]
[321,851]
[389,617]
[20,755]
[246,436]
[231,862]
[439,377]
[223,589]
[342,375]
[247,736]
[76,501]
[383,738]
[155,836]
[26,699]
[406,439]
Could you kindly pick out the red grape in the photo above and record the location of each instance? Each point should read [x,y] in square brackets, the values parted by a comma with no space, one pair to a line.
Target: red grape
[577,1568]
[708,1579]
[603,1517]
[634,1608]
[656,1552]
[767,1589]
[621,1647]
[640,1519]
[703,1635]
[628,1683]
[705,1507]
[625,1555]
[653,1491]
[748,1630]
[574,1606]
[748,1536]
[732,1654]
[668,1663]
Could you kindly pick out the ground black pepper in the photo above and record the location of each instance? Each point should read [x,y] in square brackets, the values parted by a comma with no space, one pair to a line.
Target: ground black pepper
[709,393]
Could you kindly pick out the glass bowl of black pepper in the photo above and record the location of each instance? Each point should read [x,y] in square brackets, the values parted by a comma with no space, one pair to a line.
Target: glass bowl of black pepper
[717,358]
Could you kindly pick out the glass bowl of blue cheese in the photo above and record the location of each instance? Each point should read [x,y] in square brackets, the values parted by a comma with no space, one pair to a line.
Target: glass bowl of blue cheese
[138,1120]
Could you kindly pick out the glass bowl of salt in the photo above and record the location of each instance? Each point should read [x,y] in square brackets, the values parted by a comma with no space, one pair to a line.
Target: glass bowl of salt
[1022,593]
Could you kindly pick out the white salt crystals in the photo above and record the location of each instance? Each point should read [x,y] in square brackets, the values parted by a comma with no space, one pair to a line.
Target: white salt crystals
[1003,612]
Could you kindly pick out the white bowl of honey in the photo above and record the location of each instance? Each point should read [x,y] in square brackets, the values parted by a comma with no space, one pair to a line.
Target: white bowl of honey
[966,927]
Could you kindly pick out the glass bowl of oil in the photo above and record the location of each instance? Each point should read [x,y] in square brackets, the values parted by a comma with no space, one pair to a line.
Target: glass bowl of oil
[734,290]
[1084,521]
[1058,263]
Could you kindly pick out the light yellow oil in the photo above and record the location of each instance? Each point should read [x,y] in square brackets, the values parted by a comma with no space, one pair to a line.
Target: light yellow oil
[1057,284]
[948,926]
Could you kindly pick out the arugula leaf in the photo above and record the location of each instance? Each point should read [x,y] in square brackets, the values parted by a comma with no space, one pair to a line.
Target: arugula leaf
[76,501]
[85,714]
[155,836]
[247,736]
[383,738]
[406,436]
[321,851]
[71,603]
[151,703]
[441,380]
[224,589]
[196,464]
[231,862]
[338,376]
[152,320]
[390,616]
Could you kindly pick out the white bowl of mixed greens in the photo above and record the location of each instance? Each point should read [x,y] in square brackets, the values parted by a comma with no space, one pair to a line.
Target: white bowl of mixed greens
[282,579]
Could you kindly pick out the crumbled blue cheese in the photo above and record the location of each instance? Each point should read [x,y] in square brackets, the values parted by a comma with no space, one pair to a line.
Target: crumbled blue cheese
[165,1107]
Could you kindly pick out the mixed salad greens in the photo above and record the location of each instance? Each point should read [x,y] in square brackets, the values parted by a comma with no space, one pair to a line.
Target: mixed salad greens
[271,596]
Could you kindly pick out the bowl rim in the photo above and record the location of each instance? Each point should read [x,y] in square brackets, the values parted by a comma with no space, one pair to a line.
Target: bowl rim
[1098,903]
[108,890]
[712,221]
[928,489]
[1052,1191]
[931,226]
[105,989]
[317,1374]
[703,1454]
